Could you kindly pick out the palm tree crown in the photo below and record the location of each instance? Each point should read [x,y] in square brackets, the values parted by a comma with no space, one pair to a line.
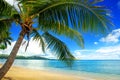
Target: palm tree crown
[62,17]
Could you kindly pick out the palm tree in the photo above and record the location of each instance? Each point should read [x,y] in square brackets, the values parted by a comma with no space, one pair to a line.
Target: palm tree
[61,17]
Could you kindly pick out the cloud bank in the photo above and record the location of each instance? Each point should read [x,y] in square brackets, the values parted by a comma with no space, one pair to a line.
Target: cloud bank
[110,52]
[113,37]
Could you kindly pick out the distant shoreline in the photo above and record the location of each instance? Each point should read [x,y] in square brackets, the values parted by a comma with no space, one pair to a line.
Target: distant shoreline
[4,56]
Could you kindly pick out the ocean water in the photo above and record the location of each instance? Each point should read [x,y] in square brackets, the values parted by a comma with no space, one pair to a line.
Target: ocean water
[91,66]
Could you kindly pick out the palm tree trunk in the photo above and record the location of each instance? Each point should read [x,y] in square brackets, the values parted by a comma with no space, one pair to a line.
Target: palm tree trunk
[5,68]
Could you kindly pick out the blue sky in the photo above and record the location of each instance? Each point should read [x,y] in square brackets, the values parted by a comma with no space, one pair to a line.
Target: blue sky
[97,46]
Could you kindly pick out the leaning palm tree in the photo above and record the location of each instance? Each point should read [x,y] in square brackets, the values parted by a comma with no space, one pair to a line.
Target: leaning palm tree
[60,17]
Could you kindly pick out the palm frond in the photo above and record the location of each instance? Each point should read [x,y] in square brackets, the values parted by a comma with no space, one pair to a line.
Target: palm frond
[95,1]
[38,37]
[64,30]
[59,48]
[5,39]
[84,15]
[7,15]
[6,10]
[3,26]
[16,17]
[5,7]
[2,47]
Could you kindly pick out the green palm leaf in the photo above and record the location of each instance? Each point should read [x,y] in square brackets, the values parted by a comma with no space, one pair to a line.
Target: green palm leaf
[5,8]
[37,37]
[59,47]
[2,47]
[82,14]
[5,39]
[66,31]
[7,15]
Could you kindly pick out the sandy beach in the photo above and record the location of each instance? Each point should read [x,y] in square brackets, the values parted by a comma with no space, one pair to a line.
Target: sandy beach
[20,73]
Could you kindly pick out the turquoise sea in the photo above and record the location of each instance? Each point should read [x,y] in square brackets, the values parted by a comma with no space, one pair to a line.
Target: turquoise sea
[106,67]
[96,66]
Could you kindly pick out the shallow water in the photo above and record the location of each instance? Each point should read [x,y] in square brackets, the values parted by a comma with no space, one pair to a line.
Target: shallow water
[94,66]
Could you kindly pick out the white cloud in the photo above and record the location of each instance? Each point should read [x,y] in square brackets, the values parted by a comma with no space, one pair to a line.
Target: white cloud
[95,43]
[110,49]
[111,52]
[33,49]
[10,1]
[13,3]
[112,37]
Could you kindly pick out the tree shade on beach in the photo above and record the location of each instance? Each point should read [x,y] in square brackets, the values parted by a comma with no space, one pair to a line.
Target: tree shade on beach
[61,17]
